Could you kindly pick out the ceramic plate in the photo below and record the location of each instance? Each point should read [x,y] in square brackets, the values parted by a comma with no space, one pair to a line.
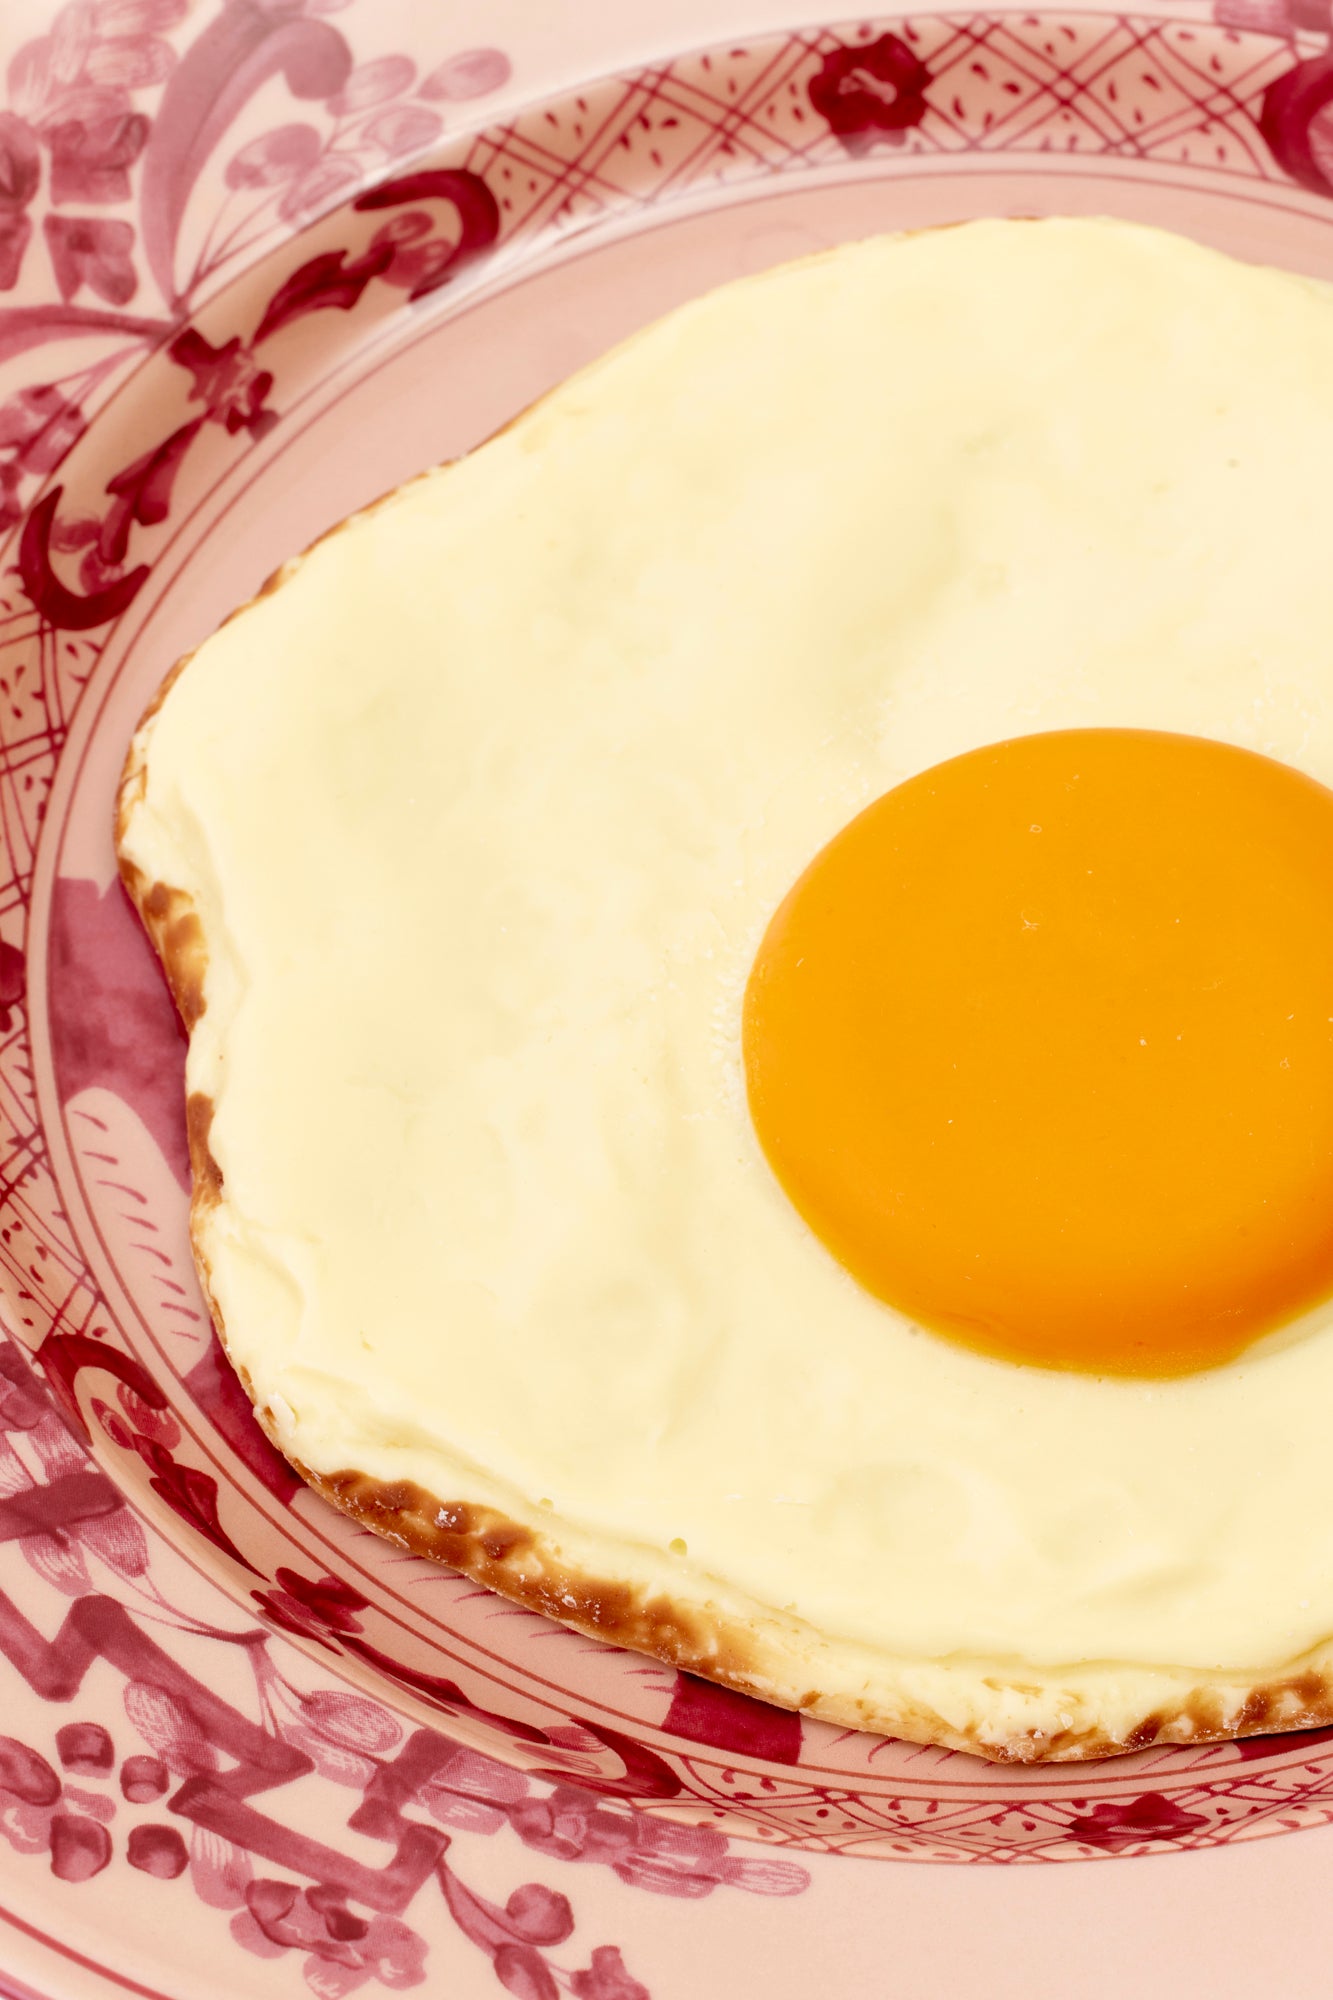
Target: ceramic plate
[260,263]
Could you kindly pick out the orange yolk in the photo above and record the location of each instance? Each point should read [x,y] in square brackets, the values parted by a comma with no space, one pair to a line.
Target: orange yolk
[1041,1047]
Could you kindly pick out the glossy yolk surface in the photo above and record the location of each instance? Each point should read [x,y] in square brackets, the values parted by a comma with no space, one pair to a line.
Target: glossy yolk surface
[1041,1047]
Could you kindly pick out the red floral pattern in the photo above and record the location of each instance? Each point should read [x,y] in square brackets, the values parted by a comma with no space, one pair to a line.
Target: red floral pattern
[872,93]
[38,425]
[311,1609]
[228,381]
[94,251]
[20,175]
[91,1800]
[71,94]
[1114,1827]
[91,161]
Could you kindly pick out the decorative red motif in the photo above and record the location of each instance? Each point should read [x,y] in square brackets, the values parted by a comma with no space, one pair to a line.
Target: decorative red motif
[474,73]
[41,424]
[213,1385]
[709,1714]
[113,1024]
[466,193]
[157,1850]
[644,1775]
[12,969]
[231,59]
[1296,118]
[140,495]
[311,1609]
[64,1355]
[94,251]
[64,609]
[73,93]
[275,157]
[228,381]
[85,1748]
[655,1854]
[20,176]
[328,281]
[91,161]
[38,426]
[607,1979]
[20,162]
[440,1692]
[871,93]
[339,1912]
[70,93]
[1114,1827]
[190,1494]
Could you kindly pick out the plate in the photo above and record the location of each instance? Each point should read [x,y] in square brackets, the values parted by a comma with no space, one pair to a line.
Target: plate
[261,263]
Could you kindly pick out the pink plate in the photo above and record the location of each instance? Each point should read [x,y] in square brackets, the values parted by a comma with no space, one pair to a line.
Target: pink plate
[262,261]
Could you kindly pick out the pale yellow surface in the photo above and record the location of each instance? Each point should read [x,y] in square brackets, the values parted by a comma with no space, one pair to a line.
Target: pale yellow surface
[486,809]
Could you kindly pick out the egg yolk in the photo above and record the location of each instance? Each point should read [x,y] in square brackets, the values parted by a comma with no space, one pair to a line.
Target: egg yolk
[1041,1048]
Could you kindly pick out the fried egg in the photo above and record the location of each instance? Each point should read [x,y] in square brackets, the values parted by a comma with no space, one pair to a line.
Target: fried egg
[759,964]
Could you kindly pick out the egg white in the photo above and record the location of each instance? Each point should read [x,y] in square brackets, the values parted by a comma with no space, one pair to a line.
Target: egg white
[484,812]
